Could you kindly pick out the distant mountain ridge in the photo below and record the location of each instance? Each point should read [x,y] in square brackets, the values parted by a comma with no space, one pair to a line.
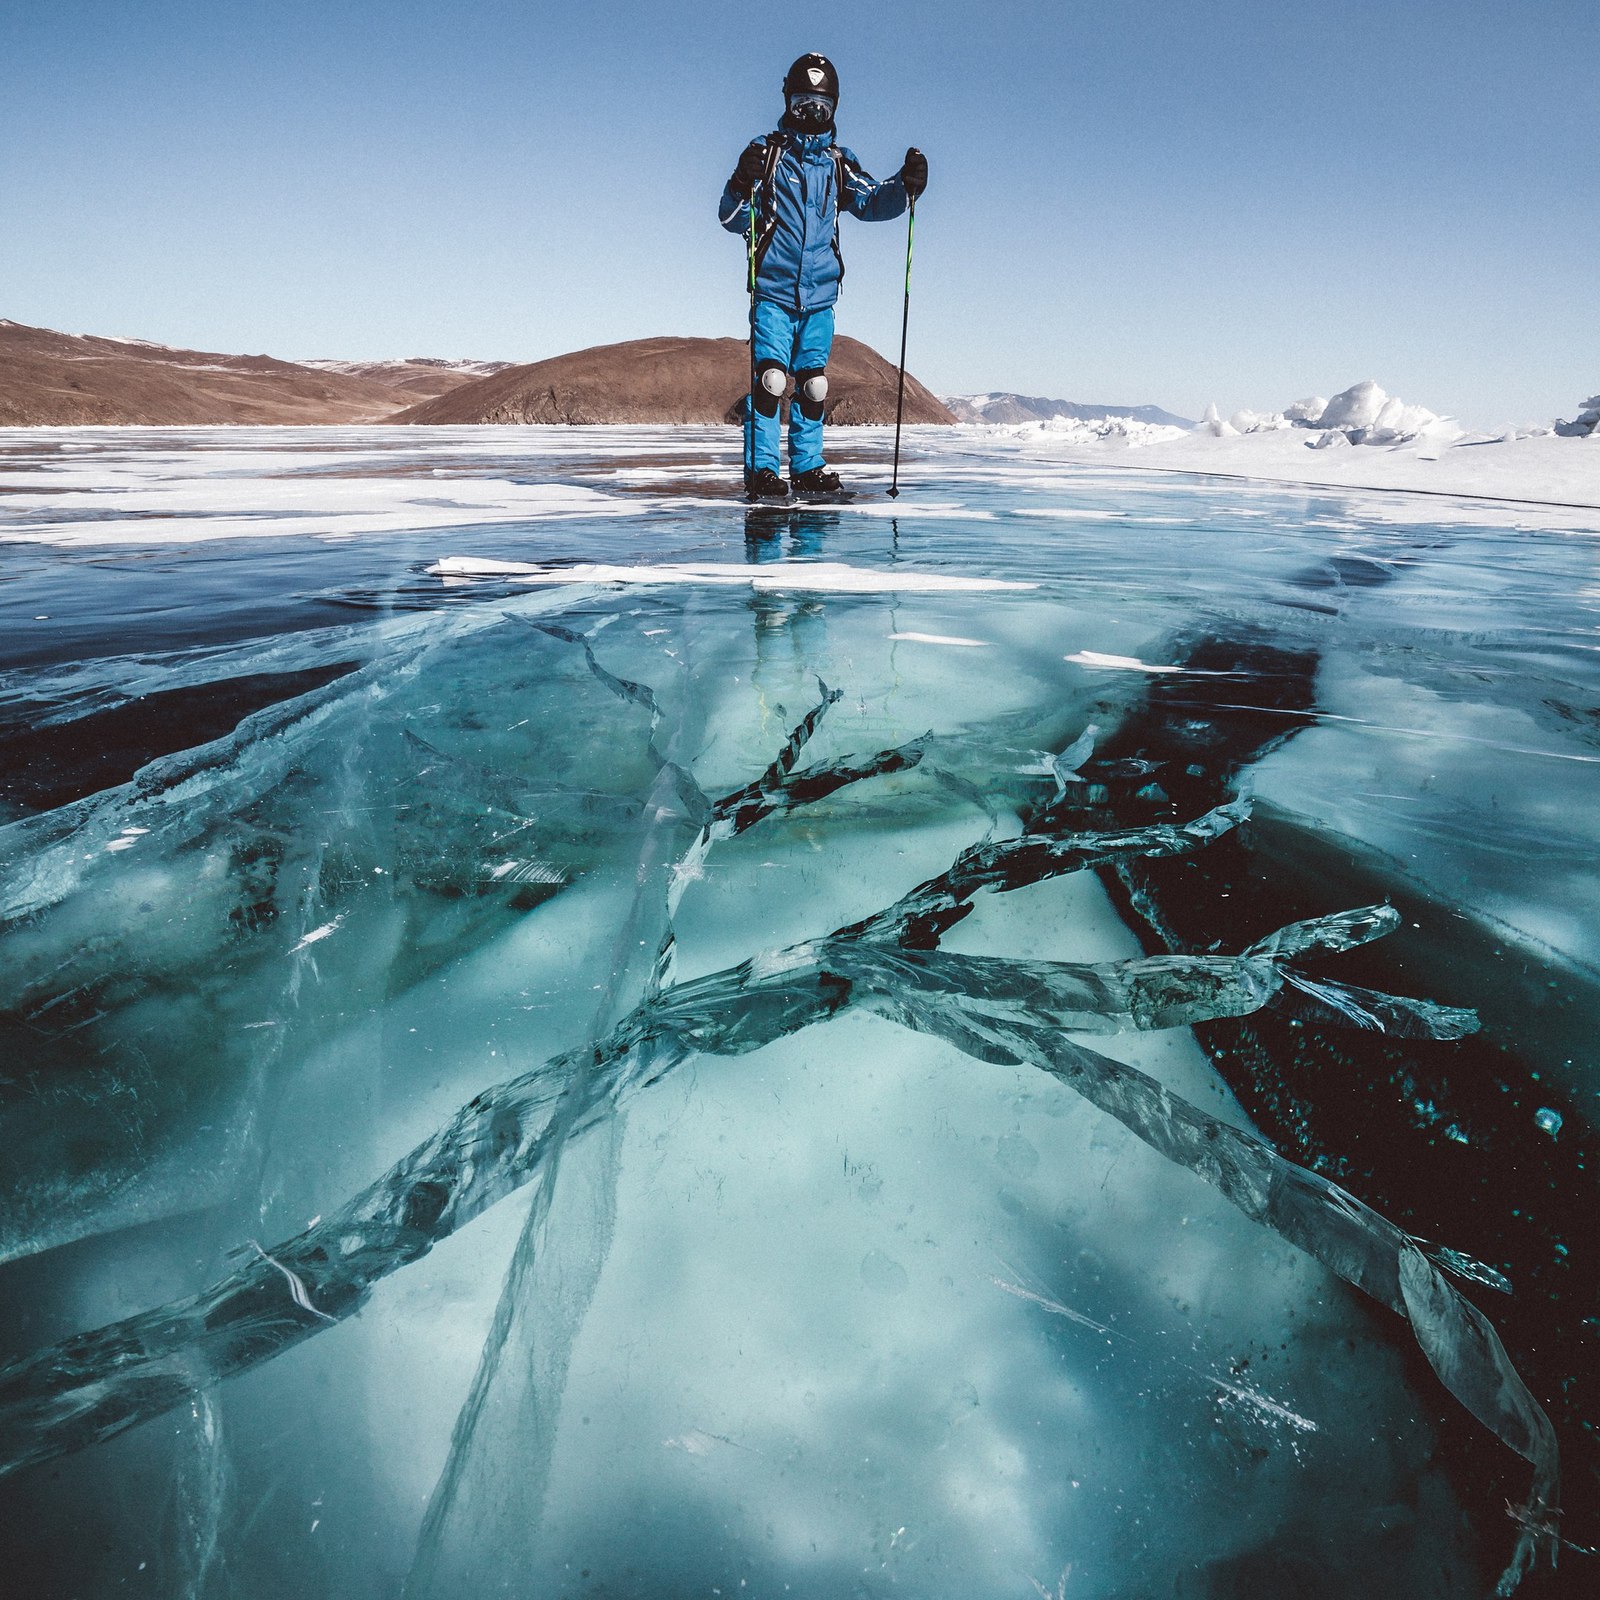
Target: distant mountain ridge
[1033,408]
[72,379]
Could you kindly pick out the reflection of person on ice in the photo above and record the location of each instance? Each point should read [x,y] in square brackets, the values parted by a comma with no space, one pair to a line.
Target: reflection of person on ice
[796,181]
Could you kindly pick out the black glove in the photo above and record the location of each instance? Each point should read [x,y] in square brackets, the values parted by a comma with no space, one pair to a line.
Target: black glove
[914,174]
[752,168]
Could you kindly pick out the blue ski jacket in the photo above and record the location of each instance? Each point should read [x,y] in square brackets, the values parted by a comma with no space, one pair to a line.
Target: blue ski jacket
[809,181]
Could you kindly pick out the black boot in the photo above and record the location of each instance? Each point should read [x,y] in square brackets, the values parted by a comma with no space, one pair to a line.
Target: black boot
[765,484]
[819,480]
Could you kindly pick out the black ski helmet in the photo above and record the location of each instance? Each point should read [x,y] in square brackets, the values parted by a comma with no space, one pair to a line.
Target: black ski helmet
[812,74]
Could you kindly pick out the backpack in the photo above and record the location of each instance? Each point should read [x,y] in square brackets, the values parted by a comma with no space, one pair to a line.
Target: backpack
[777,143]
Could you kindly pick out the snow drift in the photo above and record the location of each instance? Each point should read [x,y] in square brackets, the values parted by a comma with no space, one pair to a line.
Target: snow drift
[1365,413]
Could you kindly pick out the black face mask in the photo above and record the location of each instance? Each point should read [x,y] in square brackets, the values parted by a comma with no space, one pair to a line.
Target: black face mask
[811,113]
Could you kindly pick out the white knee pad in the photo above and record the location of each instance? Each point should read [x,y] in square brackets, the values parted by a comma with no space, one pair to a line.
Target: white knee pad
[770,384]
[811,388]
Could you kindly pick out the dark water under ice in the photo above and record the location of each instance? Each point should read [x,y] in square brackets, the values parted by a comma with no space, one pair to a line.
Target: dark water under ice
[979,1045]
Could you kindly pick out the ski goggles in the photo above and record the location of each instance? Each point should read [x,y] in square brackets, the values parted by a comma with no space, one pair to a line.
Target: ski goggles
[810,110]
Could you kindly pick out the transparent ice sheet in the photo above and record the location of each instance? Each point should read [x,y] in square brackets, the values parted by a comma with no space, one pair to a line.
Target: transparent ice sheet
[859,1293]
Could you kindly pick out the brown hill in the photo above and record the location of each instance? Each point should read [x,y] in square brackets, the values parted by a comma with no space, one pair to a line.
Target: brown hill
[668,380]
[65,378]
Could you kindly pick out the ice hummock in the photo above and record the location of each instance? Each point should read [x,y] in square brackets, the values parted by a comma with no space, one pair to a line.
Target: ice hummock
[1362,414]
[1585,424]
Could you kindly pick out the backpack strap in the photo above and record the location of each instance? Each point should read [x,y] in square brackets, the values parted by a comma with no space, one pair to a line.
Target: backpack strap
[840,171]
[776,145]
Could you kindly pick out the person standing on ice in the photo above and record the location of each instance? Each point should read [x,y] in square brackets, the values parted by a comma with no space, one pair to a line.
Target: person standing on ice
[796,181]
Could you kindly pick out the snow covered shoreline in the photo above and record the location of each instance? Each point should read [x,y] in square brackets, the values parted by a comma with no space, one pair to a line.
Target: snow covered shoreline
[1538,471]
[1426,455]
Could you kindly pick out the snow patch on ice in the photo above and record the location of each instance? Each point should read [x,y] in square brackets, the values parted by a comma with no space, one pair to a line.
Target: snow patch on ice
[317,935]
[144,507]
[1098,658]
[1078,430]
[830,577]
[940,638]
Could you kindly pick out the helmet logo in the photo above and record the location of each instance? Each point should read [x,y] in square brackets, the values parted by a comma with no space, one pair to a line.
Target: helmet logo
[815,74]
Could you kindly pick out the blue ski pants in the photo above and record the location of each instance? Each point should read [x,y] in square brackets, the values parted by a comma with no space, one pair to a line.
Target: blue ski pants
[797,341]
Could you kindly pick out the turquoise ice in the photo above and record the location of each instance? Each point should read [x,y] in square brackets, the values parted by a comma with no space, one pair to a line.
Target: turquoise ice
[661,1039]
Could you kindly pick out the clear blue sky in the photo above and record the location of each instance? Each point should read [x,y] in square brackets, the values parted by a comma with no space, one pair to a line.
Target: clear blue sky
[1131,200]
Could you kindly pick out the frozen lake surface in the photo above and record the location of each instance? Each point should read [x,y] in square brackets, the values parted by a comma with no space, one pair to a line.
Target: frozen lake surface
[559,1037]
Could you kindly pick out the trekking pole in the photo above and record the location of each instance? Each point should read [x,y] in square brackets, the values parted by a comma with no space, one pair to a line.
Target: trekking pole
[905,318]
[750,399]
